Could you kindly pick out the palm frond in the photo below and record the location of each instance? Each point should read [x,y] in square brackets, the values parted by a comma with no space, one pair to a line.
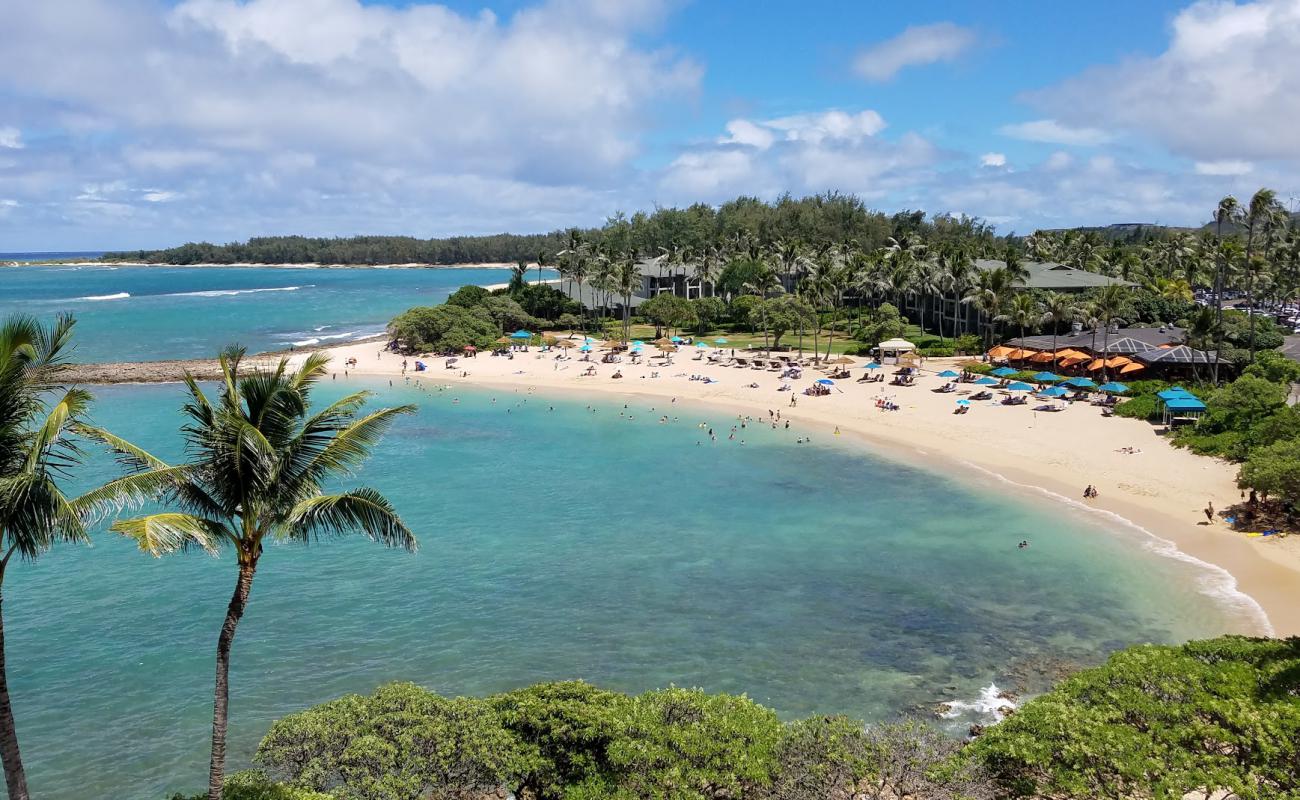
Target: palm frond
[130,491]
[170,532]
[363,511]
[62,416]
[133,457]
[34,514]
[346,448]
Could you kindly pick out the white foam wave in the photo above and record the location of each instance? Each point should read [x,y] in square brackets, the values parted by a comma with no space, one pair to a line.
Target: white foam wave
[1216,582]
[100,297]
[988,708]
[234,292]
[318,339]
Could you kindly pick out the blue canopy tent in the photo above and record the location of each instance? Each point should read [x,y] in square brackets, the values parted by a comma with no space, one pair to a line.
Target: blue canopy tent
[1183,408]
[521,334]
[1003,372]
[1174,393]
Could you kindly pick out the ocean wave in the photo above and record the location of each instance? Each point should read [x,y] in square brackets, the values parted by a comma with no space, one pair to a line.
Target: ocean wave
[988,708]
[1215,582]
[233,292]
[100,297]
[318,339]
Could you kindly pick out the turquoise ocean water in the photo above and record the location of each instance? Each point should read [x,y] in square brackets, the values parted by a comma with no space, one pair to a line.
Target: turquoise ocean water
[147,313]
[561,542]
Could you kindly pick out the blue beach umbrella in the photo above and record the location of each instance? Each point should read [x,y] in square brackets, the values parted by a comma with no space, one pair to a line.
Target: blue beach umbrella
[986,382]
[1082,383]
[1055,391]
[1003,372]
[586,348]
[872,365]
[521,334]
[1020,387]
[826,381]
[675,339]
[720,340]
[1046,377]
[963,402]
[701,346]
[947,373]
[637,343]
[1113,386]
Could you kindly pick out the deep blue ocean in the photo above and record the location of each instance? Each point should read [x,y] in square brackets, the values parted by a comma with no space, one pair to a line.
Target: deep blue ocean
[558,540]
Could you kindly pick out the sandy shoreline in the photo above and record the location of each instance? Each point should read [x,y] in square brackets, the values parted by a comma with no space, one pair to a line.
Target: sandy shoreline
[1161,490]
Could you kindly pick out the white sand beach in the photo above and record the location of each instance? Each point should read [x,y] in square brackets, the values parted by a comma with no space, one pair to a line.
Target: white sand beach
[1160,488]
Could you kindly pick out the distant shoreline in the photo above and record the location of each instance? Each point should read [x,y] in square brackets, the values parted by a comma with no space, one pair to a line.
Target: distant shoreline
[254,265]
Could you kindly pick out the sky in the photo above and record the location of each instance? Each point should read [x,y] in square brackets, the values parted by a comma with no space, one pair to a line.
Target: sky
[148,123]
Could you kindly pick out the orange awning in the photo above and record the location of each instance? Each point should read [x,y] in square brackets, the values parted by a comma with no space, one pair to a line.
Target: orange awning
[1131,368]
[1001,351]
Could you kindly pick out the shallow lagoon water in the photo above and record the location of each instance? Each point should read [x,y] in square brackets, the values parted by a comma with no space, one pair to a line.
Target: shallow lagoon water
[149,313]
[561,542]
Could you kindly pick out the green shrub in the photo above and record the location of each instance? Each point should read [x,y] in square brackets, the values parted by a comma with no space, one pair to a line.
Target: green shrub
[1159,722]
[255,785]
[937,352]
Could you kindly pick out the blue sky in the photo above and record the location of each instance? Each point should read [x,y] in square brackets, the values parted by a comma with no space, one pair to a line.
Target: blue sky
[141,123]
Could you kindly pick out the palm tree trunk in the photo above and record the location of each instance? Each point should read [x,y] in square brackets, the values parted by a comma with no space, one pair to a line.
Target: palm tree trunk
[15,777]
[220,706]
[1053,345]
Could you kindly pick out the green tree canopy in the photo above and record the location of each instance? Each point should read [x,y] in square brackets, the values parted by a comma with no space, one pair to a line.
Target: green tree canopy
[442,328]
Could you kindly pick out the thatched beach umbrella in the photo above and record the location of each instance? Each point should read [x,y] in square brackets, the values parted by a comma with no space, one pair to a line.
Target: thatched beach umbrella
[843,360]
[566,343]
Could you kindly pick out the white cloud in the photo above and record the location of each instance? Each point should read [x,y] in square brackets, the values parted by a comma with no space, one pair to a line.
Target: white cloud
[830,150]
[1052,132]
[1224,89]
[158,195]
[917,45]
[993,160]
[11,138]
[1226,167]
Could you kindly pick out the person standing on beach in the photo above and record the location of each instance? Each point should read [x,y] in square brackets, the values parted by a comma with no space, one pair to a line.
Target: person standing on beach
[1209,512]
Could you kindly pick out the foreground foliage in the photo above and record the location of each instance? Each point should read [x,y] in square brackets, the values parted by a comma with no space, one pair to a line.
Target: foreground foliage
[1156,722]
[1160,722]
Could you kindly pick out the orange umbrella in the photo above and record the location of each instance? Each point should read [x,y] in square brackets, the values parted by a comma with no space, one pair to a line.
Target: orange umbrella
[1069,353]
[1043,357]
[1001,351]
[1070,361]
[1118,361]
[1018,355]
[1131,367]
[1095,365]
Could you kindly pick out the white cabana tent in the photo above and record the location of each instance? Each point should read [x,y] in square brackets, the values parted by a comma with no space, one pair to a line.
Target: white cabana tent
[891,349]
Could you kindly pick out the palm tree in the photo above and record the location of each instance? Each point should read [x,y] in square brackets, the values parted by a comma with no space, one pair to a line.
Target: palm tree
[1261,215]
[258,461]
[1228,211]
[543,260]
[1058,307]
[625,278]
[1023,311]
[1201,331]
[988,295]
[36,418]
[1111,302]
[762,283]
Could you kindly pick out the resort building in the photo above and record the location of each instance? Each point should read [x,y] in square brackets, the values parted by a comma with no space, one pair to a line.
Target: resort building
[1132,352]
